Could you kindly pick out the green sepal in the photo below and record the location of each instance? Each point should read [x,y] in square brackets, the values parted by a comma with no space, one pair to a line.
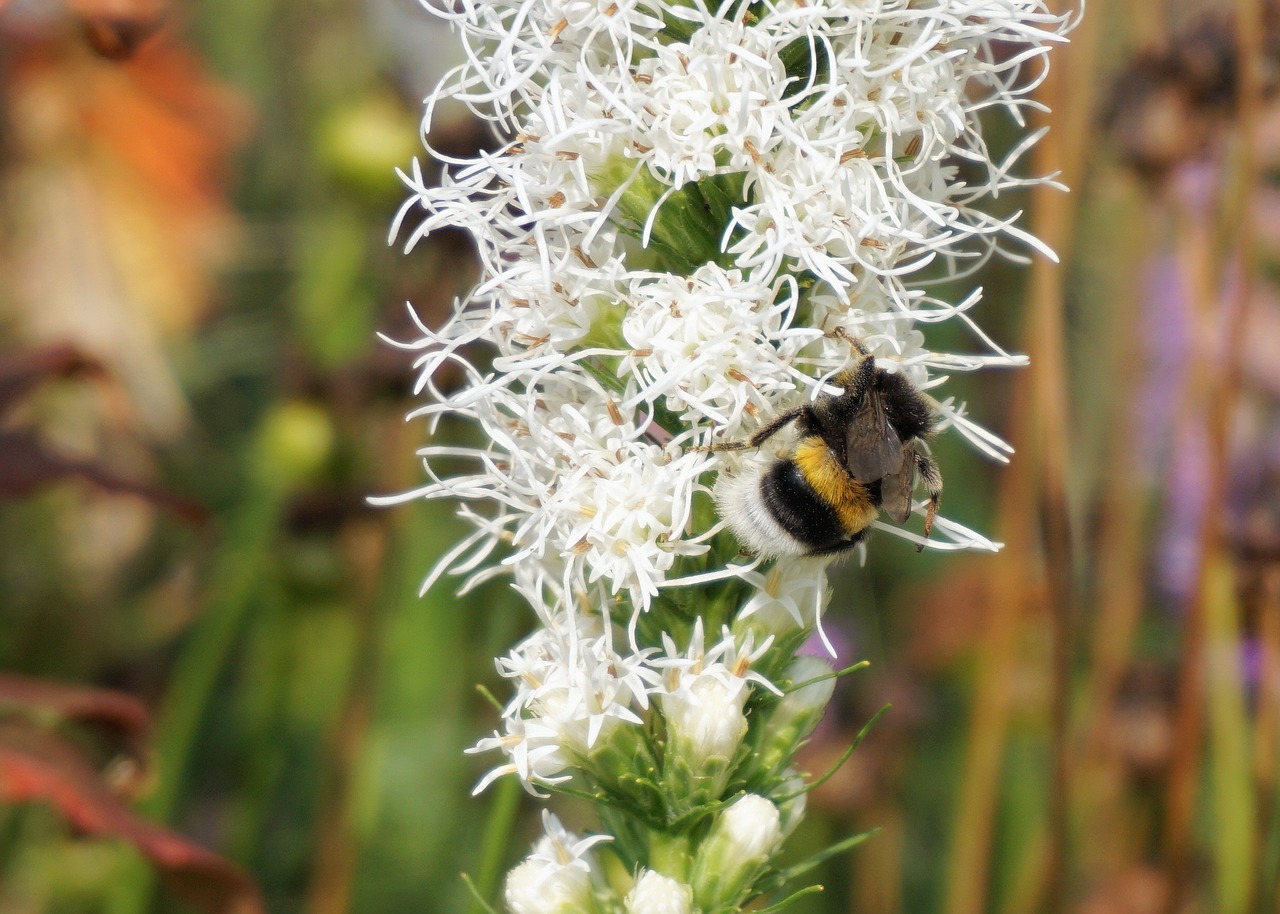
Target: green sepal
[625,767]
[690,787]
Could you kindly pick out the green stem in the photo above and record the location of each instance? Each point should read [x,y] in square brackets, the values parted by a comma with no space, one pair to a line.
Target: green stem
[235,578]
[670,855]
[497,834]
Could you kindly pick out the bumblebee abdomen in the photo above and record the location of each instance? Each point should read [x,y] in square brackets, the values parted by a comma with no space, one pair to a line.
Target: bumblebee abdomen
[851,501]
[814,499]
[798,508]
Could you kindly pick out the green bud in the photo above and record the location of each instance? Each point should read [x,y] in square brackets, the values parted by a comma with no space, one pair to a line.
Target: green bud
[362,143]
[784,725]
[623,764]
[670,853]
[705,727]
[687,225]
[293,442]
[735,852]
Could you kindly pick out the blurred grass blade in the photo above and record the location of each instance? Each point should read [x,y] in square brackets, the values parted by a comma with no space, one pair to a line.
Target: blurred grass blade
[497,841]
[1230,775]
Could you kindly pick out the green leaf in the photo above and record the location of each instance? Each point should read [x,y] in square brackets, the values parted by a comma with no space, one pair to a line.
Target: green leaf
[844,757]
[792,899]
[476,896]
[808,64]
[821,857]
[860,665]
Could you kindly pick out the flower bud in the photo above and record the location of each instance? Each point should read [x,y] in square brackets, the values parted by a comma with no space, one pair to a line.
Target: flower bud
[792,799]
[792,718]
[735,852]
[706,724]
[362,141]
[293,442]
[655,893]
[706,719]
[557,877]
[540,887]
[623,763]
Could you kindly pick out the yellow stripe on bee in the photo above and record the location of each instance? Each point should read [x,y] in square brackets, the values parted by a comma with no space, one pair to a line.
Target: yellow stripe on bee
[848,498]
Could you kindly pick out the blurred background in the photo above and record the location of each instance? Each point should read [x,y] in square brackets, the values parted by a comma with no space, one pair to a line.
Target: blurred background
[221,691]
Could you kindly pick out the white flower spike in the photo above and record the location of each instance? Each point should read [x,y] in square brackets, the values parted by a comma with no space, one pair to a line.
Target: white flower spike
[701,222]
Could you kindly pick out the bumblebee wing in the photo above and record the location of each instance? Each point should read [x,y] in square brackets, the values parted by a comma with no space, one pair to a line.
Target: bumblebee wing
[872,447]
[896,488]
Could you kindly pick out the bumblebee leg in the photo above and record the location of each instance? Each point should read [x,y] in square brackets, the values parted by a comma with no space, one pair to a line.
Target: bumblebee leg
[776,426]
[932,480]
[759,437]
[722,446]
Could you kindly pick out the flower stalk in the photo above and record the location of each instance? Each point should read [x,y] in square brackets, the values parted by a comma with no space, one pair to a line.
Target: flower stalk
[696,219]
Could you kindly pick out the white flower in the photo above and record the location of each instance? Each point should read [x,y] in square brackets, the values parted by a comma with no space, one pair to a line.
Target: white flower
[750,827]
[655,893]
[557,877]
[715,101]
[572,691]
[714,346]
[537,755]
[728,662]
[706,718]
[573,484]
[703,696]
[820,141]
[693,211]
[791,595]
[534,888]
[560,847]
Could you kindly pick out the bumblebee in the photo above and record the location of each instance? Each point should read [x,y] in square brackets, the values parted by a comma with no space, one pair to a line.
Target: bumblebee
[856,454]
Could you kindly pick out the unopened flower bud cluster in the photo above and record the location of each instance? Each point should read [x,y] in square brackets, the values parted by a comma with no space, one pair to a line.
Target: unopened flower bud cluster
[689,211]
[563,875]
